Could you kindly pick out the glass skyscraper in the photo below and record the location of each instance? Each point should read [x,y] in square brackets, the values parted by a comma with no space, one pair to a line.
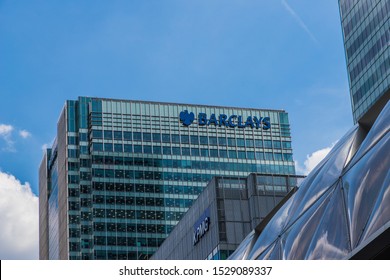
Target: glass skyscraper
[122,173]
[366,30]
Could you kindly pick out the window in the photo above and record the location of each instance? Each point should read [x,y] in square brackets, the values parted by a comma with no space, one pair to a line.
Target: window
[107,134]
[251,155]
[268,144]
[241,154]
[166,138]
[118,135]
[278,156]
[213,140]
[204,152]
[232,154]
[147,137]
[157,150]
[185,139]
[118,148]
[147,149]
[286,145]
[175,150]
[223,153]
[288,157]
[137,149]
[156,137]
[98,134]
[128,148]
[277,145]
[72,140]
[240,142]
[83,137]
[249,143]
[268,156]
[258,143]
[127,136]
[108,147]
[214,153]
[72,153]
[231,142]
[195,152]
[259,155]
[137,136]
[175,138]
[185,151]
[194,140]
[221,141]
[203,140]
[83,150]
[166,150]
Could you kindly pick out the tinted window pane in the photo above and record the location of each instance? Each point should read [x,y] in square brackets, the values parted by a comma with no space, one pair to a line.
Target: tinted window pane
[137,136]
[107,134]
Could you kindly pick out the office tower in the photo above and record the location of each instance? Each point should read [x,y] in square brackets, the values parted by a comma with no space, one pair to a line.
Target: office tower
[366,30]
[122,173]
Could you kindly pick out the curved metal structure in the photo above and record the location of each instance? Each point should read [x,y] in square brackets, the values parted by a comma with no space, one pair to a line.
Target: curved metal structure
[340,208]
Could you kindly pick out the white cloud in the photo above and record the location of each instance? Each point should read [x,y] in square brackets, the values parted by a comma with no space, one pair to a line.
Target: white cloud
[5,129]
[5,133]
[18,219]
[313,160]
[24,133]
[298,19]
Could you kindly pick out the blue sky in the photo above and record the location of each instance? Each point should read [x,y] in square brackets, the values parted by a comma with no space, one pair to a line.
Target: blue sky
[281,54]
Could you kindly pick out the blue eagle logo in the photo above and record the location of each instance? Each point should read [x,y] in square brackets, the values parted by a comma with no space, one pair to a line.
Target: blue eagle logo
[187,118]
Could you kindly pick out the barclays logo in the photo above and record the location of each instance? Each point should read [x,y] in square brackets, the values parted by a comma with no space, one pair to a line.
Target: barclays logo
[228,121]
[187,118]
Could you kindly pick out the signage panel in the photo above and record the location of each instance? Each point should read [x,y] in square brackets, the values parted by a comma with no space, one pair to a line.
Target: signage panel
[187,118]
[201,227]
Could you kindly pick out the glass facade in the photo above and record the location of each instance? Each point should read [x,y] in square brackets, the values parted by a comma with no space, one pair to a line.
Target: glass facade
[133,168]
[366,30]
[339,209]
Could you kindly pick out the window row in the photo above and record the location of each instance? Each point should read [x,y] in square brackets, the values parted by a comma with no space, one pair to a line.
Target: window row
[380,14]
[127,241]
[151,175]
[146,188]
[139,214]
[118,254]
[357,17]
[184,151]
[131,201]
[186,139]
[178,176]
[101,227]
[186,164]
[382,43]
[378,74]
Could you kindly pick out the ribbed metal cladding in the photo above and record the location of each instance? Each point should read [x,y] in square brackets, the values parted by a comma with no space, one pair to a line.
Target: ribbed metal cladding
[43,210]
[63,185]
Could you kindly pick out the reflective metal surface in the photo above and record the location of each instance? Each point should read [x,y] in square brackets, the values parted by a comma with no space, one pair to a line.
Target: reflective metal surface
[342,203]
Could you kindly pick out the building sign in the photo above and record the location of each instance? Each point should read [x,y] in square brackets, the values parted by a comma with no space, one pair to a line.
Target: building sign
[201,227]
[224,120]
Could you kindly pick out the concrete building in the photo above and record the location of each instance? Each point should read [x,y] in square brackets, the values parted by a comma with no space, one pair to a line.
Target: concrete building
[224,214]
